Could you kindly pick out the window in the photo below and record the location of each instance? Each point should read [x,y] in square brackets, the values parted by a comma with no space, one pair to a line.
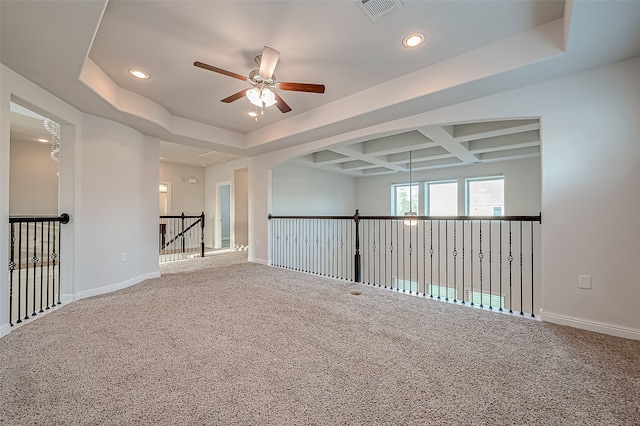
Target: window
[434,290]
[442,198]
[485,196]
[485,299]
[401,195]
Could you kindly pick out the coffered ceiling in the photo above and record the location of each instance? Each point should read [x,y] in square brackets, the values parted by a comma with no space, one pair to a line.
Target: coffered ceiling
[432,147]
[82,51]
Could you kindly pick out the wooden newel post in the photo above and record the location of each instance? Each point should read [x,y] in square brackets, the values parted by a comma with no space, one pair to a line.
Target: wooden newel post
[356,219]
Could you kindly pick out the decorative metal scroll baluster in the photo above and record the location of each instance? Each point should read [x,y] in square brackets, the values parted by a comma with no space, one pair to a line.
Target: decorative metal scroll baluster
[521,273]
[439,245]
[481,257]
[455,260]
[510,259]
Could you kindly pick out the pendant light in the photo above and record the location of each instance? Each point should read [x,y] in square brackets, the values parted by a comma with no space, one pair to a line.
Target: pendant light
[410,216]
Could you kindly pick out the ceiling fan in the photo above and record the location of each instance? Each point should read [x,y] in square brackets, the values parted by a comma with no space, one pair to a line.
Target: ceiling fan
[263,82]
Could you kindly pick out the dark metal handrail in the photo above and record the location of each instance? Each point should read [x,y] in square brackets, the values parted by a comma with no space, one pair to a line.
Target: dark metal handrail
[63,218]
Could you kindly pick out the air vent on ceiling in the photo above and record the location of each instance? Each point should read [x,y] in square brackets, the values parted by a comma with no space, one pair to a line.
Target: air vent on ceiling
[377,9]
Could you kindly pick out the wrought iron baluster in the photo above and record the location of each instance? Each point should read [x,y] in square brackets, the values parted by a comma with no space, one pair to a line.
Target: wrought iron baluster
[472,286]
[26,272]
[49,289]
[34,261]
[510,259]
[439,261]
[521,273]
[446,259]
[500,278]
[41,266]
[12,267]
[455,258]
[56,237]
[463,264]
[490,268]
[481,257]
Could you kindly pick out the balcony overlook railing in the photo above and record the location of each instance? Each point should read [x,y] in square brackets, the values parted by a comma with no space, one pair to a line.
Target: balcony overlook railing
[490,262]
[34,265]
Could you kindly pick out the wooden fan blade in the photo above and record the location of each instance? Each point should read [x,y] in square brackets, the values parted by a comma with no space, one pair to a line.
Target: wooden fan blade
[281,104]
[301,87]
[268,62]
[219,70]
[234,97]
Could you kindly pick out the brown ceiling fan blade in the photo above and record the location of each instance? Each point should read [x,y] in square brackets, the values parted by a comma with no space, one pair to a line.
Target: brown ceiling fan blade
[219,70]
[281,104]
[268,62]
[234,97]
[301,87]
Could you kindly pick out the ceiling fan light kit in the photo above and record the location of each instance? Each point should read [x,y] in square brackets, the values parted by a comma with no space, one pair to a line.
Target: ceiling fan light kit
[263,93]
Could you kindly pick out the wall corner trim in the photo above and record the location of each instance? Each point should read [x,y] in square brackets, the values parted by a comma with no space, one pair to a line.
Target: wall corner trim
[256,260]
[598,327]
[4,330]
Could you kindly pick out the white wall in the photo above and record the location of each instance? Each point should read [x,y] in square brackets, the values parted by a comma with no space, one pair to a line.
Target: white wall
[298,190]
[590,200]
[185,197]
[522,185]
[118,210]
[33,181]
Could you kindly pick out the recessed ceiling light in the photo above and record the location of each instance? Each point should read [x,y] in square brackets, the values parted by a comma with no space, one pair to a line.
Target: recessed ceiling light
[138,73]
[252,114]
[43,140]
[413,40]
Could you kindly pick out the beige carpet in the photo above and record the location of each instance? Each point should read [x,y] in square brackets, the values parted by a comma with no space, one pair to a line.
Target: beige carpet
[222,341]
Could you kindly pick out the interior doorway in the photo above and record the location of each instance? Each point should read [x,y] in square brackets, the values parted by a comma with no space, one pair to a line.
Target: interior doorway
[223,225]
[164,199]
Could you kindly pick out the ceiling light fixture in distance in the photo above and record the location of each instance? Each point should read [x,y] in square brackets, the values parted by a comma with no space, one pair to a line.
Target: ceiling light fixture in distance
[413,40]
[138,73]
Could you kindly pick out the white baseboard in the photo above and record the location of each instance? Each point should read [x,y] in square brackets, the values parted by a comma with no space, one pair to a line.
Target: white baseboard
[599,327]
[260,261]
[113,287]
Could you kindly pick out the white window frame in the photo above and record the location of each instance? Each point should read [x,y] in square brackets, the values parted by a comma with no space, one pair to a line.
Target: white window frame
[427,186]
[477,179]
[394,198]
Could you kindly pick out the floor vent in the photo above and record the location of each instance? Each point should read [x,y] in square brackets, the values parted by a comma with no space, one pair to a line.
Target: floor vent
[377,9]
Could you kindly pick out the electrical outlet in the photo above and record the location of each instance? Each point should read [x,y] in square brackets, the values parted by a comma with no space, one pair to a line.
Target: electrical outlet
[584,281]
[123,257]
